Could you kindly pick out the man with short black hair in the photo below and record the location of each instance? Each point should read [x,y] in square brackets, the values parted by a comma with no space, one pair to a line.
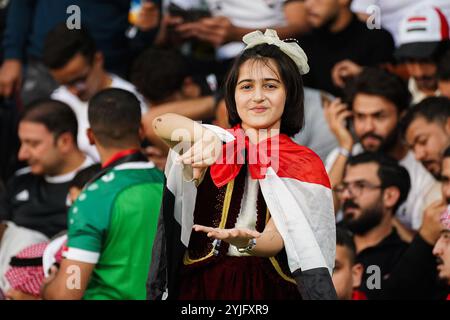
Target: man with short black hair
[373,187]
[426,128]
[113,222]
[78,67]
[35,196]
[377,102]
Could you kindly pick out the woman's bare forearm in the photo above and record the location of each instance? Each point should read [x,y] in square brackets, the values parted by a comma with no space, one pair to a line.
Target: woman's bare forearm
[174,128]
[270,243]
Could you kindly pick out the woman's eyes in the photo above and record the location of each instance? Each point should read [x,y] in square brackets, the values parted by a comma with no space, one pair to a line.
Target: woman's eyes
[267,86]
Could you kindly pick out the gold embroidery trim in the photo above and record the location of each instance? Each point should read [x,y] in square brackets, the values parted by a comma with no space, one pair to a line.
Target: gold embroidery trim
[274,261]
[223,220]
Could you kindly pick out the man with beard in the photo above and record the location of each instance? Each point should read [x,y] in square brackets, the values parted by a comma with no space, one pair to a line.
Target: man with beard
[424,36]
[374,186]
[338,35]
[426,128]
[442,248]
[378,100]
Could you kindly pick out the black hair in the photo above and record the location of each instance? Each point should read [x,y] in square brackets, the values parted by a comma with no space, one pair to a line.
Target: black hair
[379,82]
[390,172]
[293,114]
[444,67]
[62,44]
[432,109]
[115,117]
[345,238]
[434,58]
[55,115]
[158,73]
[84,176]
[447,152]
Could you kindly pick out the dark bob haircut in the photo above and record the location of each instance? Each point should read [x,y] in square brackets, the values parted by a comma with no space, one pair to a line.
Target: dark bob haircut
[293,114]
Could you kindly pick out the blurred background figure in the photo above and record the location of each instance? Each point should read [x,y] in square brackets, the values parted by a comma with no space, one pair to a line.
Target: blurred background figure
[374,186]
[347,272]
[442,247]
[28,23]
[36,196]
[369,121]
[73,60]
[214,28]
[338,35]
[444,75]
[424,36]
[426,129]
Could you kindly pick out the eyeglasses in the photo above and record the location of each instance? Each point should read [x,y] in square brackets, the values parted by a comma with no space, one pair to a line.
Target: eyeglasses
[355,188]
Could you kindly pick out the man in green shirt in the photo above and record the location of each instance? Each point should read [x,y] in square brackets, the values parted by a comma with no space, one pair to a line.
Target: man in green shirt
[112,224]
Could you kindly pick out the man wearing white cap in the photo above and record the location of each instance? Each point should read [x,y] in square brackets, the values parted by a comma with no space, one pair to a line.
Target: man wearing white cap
[424,37]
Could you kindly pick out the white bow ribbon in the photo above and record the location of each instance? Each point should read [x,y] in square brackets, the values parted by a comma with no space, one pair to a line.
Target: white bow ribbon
[292,49]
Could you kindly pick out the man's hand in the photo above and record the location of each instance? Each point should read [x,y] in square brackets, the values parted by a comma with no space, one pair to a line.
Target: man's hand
[10,77]
[336,114]
[51,276]
[344,70]
[148,17]
[431,224]
[215,30]
[69,283]
[237,237]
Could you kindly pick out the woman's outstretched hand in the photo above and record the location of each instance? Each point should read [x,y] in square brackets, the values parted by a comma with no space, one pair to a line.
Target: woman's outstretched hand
[236,236]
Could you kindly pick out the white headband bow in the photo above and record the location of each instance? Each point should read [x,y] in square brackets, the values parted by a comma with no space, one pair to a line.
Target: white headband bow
[292,49]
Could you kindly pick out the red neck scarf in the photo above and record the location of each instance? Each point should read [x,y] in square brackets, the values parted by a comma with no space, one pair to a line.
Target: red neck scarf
[285,157]
[267,153]
[119,155]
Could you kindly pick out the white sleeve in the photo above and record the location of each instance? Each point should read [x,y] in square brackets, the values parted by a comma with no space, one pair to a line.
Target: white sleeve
[331,159]
[360,6]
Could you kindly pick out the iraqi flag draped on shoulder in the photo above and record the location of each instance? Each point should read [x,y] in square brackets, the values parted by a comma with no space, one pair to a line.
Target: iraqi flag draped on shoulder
[297,192]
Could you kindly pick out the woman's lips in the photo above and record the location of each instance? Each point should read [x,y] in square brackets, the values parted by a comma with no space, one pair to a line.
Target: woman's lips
[258,109]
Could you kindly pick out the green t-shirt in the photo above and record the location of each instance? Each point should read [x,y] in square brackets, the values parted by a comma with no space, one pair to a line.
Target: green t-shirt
[112,225]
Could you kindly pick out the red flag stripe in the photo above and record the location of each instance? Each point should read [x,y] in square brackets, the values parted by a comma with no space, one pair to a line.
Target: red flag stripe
[444,25]
[415,19]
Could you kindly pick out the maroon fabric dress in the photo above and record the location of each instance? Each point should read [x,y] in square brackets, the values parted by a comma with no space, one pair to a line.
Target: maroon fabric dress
[208,273]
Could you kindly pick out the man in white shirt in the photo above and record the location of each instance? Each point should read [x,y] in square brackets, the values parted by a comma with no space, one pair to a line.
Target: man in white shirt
[389,13]
[377,102]
[75,63]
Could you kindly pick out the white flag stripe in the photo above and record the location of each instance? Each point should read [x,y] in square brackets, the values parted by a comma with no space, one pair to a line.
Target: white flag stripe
[307,247]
